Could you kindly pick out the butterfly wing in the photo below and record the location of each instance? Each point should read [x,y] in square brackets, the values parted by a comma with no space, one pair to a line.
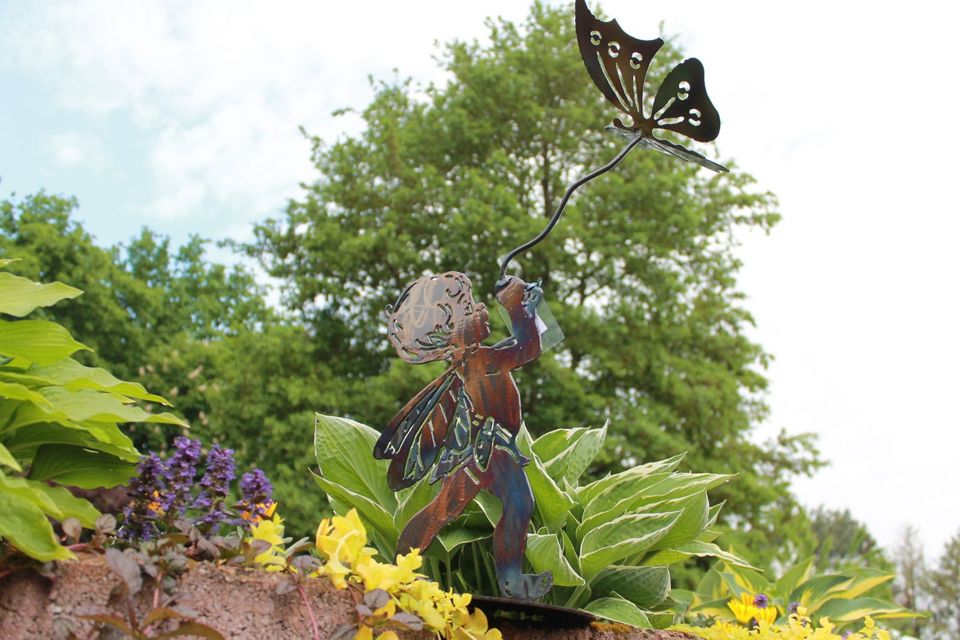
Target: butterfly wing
[617,62]
[682,105]
[416,435]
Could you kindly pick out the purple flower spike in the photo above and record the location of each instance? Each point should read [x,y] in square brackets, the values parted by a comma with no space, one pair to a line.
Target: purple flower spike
[256,497]
[255,487]
[180,474]
[761,601]
[215,485]
[144,507]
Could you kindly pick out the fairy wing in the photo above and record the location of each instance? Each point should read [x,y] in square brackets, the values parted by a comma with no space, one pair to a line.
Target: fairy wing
[617,63]
[415,437]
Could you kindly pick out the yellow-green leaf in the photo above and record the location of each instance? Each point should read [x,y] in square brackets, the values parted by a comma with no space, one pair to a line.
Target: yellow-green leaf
[7,458]
[38,341]
[545,554]
[26,527]
[619,610]
[68,504]
[19,296]
[71,374]
[78,467]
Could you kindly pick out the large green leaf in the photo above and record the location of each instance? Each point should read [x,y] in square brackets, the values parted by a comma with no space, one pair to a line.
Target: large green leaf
[628,535]
[68,504]
[99,436]
[693,549]
[693,517]
[21,488]
[14,391]
[89,405]
[453,538]
[619,610]
[490,506]
[71,374]
[590,491]
[38,341]
[551,502]
[545,554]
[370,511]
[616,500]
[80,467]
[793,576]
[7,459]
[344,451]
[645,587]
[678,485]
[413,500]
[863,580]
[566,453]
[26,527]
[812,592]
[19,296]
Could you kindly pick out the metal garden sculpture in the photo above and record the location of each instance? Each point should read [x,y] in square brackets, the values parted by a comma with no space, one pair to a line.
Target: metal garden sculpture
[461,428]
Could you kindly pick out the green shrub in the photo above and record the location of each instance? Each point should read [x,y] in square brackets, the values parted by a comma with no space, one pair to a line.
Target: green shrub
[58,422]
[609,543]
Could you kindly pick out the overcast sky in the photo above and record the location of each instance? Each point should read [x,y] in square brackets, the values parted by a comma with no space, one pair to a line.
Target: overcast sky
[184,116]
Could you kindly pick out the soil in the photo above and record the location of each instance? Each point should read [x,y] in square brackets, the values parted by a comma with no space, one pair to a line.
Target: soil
[239,603]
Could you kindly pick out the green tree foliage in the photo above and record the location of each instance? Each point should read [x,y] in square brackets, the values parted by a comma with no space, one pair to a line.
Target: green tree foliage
[942,585]
[137,296]
[641,272]
[842,542]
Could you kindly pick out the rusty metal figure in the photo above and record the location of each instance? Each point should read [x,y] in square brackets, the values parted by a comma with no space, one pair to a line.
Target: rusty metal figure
[464,424]
[461,429]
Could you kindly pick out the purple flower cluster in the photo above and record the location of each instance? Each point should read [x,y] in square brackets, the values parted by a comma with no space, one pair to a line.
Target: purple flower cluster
[215,485]
[256,496]
[761,601]
[181,469]
[163,492]
[141,513]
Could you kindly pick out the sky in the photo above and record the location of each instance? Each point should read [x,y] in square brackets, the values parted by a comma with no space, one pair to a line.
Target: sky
[185,117]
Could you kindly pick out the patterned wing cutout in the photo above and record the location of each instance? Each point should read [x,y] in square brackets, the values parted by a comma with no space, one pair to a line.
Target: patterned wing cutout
[682,104]
[617,62]
[416,435]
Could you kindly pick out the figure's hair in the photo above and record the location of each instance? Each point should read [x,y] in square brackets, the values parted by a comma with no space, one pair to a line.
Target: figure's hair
[423,322]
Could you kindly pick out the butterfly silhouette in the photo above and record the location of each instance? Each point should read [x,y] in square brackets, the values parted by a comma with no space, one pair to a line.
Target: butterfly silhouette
[617,62]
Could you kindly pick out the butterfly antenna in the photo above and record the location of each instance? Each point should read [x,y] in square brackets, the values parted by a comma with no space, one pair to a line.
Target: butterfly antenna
[563,203]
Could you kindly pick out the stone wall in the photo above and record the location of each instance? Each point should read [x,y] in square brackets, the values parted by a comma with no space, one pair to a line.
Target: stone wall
[240,603]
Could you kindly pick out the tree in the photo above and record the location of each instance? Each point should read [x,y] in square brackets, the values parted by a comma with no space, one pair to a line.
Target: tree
[911,572]
[641,272]
[842,541]
[943,590]
[136,296]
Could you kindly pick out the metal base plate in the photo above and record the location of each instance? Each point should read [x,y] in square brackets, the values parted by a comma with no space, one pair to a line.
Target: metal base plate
[520,612]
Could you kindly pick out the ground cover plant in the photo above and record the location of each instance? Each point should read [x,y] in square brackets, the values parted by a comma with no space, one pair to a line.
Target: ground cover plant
[738,594]
[609,543]
[59,421]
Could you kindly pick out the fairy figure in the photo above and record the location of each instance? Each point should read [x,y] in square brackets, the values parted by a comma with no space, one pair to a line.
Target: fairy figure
[462,427]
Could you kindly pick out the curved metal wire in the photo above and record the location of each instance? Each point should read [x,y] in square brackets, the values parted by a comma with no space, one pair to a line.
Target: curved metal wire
[563,203]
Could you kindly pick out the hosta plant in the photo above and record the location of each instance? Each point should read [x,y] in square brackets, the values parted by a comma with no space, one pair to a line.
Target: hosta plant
[609,543]
[727,591]
[59,421]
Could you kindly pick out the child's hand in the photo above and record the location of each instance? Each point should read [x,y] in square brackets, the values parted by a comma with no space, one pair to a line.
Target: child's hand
[510,291]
